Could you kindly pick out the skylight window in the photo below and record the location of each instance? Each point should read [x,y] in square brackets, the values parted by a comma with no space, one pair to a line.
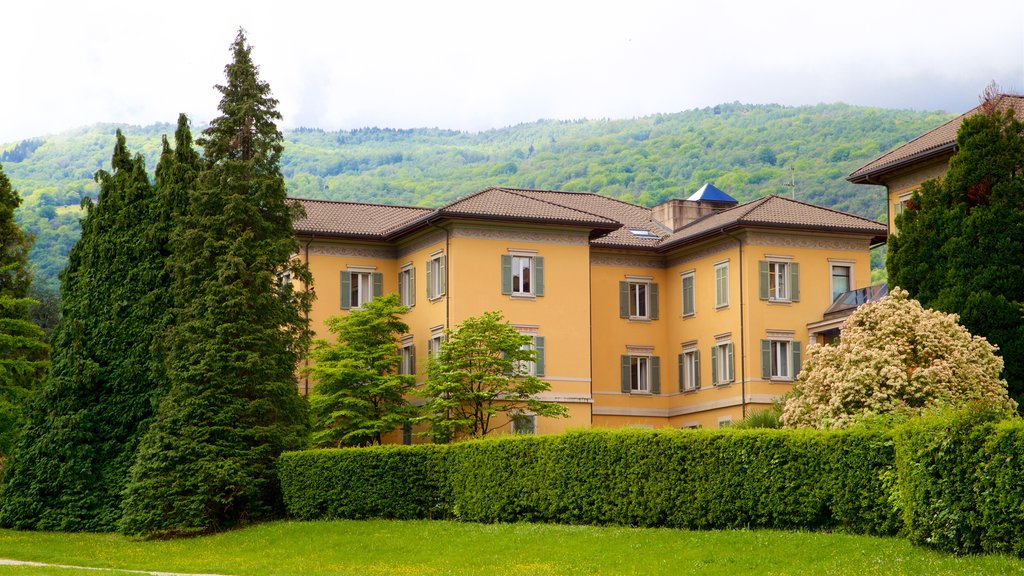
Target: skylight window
[640,233]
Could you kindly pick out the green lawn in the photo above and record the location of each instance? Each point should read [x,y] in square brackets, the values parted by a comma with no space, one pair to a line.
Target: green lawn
[438,548]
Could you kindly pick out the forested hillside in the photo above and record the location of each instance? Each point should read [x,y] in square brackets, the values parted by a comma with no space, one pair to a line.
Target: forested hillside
[747,150]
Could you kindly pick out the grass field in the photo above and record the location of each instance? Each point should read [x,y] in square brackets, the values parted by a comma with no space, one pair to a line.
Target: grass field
[441,548]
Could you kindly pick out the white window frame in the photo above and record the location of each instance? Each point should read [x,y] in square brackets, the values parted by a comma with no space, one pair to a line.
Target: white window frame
[722,284]
[526,367]
[690,368]
[524,288]
[362,287]
[406,364]
[434,344]
[692,276]
[407,292]
[640,374]
[724,421]
[436,288]
[518,418]
[781,353]
[726,370]
[639,299]
[779,289]
[832,278]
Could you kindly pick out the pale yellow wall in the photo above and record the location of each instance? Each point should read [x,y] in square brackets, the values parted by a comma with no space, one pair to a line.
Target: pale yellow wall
[561,315]
[901,185]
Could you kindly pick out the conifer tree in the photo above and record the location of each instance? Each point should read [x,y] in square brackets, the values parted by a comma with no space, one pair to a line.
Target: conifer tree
[208,460]
[23,350]
[959,247]
[85,425]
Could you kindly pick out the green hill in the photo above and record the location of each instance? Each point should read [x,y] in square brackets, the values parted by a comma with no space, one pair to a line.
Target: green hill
[747,150]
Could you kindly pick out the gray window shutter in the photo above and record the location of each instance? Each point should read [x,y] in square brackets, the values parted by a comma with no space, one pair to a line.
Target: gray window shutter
[655,375]
[506,273]
[412,286]
[794,282]
[652,295]
[765,282]
[430,285]
[538,276]
[766,359]
[412,359]
[688,295]
[625,374]
[730,363]
[538,345]
[681,379]
[378,284]
[346,289]
[402,288]
[443,271]
[714,365]
[696,368]
[795,358]
[623,299]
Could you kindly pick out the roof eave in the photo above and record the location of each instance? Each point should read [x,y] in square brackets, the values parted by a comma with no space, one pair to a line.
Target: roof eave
[871,176]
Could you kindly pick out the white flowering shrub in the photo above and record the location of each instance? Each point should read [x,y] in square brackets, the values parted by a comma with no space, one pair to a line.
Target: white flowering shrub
[894,356]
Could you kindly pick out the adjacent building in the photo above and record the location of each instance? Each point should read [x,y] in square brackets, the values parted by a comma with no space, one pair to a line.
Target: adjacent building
[903,169]
[689,314]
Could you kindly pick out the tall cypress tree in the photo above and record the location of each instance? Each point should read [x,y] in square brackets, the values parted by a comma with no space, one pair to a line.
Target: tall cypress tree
[23,351]
[84,428]
[208,460]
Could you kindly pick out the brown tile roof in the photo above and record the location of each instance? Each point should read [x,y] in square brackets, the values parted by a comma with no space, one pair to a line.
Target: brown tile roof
[616,223]
[776,212]
[354,219]
[934,143]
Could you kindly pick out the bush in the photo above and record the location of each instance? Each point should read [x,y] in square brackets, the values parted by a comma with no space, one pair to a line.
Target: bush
[678,478]
[398,482]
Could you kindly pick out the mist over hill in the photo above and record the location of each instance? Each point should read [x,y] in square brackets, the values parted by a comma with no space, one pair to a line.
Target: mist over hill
[747,150]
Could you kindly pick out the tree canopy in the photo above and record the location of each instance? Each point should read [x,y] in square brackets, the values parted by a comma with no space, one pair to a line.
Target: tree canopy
[360,392]
[484,370]
[960,246]
[894,356]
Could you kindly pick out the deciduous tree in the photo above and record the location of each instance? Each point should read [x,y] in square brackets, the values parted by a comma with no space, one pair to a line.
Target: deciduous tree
[894,356]
[360,393]
[480,378]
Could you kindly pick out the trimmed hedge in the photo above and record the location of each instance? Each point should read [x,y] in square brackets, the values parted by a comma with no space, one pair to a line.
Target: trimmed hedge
[676,478]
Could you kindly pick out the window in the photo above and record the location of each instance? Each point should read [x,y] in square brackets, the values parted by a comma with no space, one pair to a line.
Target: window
[407,359]
[536,367]
[638,299]
[689,297]
[725,422]
[522,275]
[524,423]
[689,370]
[436,276]
[358,288]
[722,363]
[641,373]
[779,280]
[780,359]
[407,286]
[722,285]
[840,280]
[434,344]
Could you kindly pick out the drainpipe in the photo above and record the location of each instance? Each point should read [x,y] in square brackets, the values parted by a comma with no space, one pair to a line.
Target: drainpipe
[743,338]
[306,359]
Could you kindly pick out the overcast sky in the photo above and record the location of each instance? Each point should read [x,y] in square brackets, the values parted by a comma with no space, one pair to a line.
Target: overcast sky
[483,64]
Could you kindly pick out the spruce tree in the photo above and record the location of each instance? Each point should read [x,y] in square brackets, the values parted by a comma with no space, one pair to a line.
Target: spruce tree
[72,464]
[959,247]
[208,461]
[23,351]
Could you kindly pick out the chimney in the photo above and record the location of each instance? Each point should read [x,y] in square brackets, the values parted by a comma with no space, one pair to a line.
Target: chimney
[676,213]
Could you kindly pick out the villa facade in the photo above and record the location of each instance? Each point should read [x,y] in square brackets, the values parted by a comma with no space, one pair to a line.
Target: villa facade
[692,313]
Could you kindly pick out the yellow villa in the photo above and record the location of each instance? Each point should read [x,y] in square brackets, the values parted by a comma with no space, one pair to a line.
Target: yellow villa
[693,313]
